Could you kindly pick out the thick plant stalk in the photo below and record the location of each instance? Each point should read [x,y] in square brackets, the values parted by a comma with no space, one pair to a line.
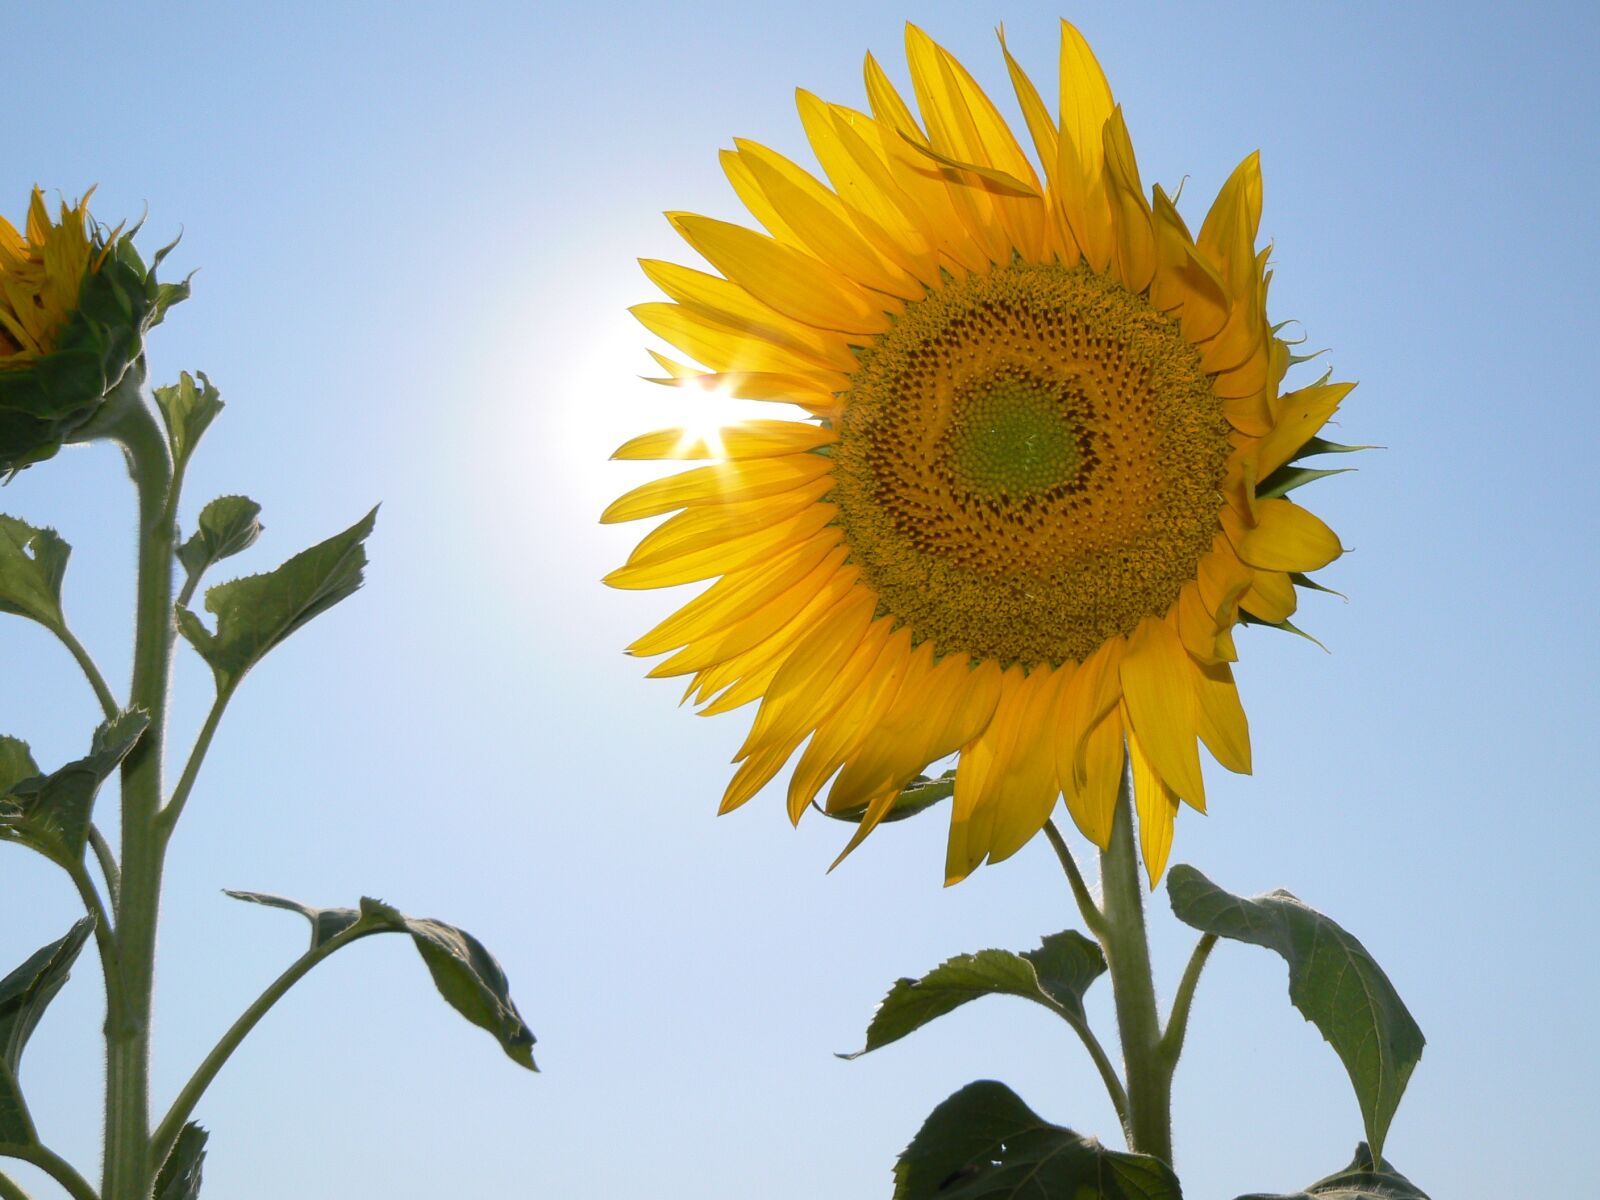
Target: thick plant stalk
[128,1170]
[1148,1076]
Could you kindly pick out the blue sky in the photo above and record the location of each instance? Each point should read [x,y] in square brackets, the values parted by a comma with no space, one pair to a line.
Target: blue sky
[416,227]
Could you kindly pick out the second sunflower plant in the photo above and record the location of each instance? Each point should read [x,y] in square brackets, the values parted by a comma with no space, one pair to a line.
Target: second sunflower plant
[1043,472]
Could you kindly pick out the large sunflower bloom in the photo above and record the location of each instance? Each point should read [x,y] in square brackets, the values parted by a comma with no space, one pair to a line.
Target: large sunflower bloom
[1045,480]
[75,304]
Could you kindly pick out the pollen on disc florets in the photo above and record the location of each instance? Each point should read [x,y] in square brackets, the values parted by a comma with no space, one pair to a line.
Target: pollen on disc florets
[1028,464]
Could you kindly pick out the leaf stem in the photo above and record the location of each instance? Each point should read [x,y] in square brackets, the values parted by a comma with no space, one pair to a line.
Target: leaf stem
[168,817]
[107,861]
[1102,1063]
[1127,951]
[1178,1020]
[10,1189]
[108,702]
[172,1124]
[1092,916]
[53,1165]
[105,939]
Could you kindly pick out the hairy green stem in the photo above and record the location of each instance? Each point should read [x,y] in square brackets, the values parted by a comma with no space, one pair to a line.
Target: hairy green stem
[1092,916]
[53,1165]
[129,1167]
[172,1124]
[107,861]
[102,693]
[168,817]
[1178,1019]
[10,1189]
[1127,951]
[104,935]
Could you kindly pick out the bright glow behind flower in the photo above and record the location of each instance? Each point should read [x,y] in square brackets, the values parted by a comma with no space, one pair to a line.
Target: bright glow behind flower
[1044,478]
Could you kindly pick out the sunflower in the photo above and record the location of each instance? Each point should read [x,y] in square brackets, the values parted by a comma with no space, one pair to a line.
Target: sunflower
[1044,480]
[75,303]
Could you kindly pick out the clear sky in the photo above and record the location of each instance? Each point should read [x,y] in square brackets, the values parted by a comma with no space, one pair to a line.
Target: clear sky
[416,227]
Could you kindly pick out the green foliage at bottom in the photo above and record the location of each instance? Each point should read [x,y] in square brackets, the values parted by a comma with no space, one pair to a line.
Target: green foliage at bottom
[1366,1178]
[984,1143]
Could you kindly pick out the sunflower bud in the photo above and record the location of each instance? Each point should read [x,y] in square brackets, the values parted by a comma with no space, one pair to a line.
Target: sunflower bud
[75,303]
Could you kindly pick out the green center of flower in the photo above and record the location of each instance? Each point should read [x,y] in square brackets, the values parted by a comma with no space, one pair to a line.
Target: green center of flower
[1013,435]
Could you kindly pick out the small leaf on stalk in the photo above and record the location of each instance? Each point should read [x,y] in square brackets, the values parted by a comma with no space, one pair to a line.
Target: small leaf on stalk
[1333,981]
[50,813]
[179,1178]
[32,562]
[465,973]
[226,526]
[1055,975]
[984,1143]
[917,795]
[257,612]
[1366,1178]
[24,995]
[1319,445]
[186,409]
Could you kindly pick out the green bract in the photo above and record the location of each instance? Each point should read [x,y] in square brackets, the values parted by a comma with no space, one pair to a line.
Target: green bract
[47,402]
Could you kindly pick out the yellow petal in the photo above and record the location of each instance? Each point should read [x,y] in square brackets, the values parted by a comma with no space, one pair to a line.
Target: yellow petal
[1028,790]
[1220,717]
[1299,415]
[1157,806]
[782,277]
[1160,704]
[726,346]
[719,483]
[706,524]
[1080,166]
[817,391]
[1270,597]
[1093,801]
[1086,697]
[1287,538]
[1135,243]
[722,556]
[747,439]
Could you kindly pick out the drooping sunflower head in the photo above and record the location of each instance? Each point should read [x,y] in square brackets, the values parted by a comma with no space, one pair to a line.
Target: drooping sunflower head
[1044,480]
[75,303]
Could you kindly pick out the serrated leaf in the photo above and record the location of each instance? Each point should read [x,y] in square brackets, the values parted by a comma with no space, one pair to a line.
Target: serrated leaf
[186,409]
[1055,975]
[1366,1178]
[226,526]
[51,813]
[1288,477]
[984,1143]
[32,563]
[179,1177]
[463,971]
[1333,981]
[257,612]
[921,793]
[24,995]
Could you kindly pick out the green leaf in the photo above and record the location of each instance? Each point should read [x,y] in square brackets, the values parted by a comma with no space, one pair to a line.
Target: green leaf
[1333,981]
[16,763]
[32,562]
[1284,626]
[50,813]
[465,973]
[227,525]
[24,995]
[1318,445]
[917,795]
[179,1178]
[984,1143]
[1056,975]
[1288,477]
[186,409]
[257,612]
[1366,1178]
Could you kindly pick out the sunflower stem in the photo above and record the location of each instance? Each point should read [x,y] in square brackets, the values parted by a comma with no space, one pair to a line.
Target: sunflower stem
[128,1167]
[1127,950]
